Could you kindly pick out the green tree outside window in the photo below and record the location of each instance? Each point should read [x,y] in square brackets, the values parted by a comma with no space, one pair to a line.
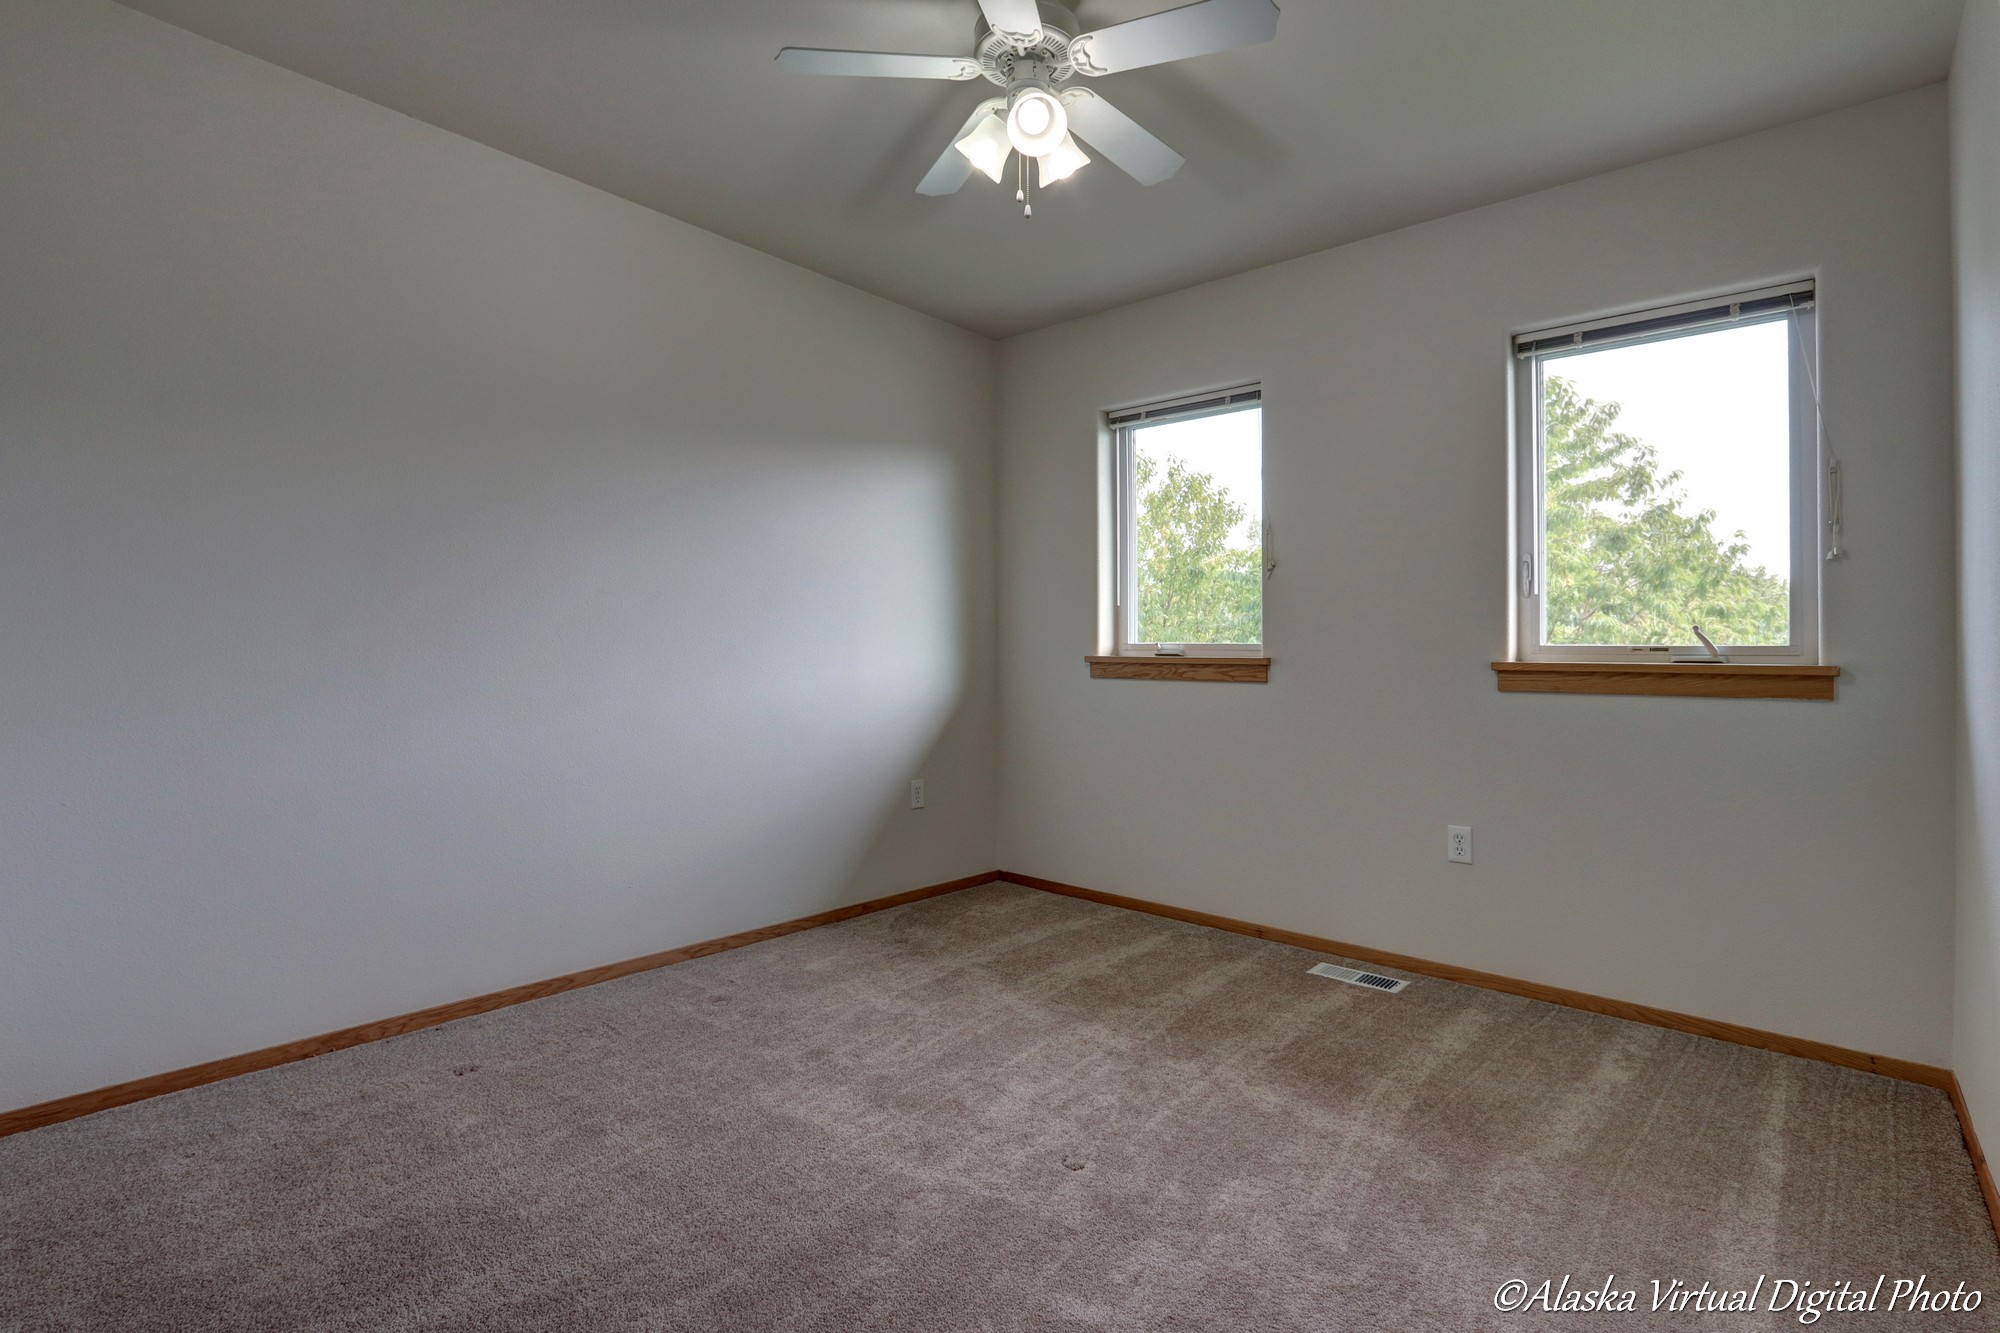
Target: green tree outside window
[1624,562]
[1194,586]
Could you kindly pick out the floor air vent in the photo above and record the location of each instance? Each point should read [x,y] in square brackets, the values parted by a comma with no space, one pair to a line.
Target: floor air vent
[1372,980]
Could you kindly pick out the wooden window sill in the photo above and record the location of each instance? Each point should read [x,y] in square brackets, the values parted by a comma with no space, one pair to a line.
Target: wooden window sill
[1236,670]
[1727,680]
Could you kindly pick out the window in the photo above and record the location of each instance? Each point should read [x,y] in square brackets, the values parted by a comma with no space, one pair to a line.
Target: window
[1190,529]
[1669,477]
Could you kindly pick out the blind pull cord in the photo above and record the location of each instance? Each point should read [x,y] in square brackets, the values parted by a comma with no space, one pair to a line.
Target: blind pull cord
[1836,490]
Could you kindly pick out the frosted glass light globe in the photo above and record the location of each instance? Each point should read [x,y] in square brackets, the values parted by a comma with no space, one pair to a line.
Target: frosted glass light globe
[986,147]
[1036,122]
[1061,162]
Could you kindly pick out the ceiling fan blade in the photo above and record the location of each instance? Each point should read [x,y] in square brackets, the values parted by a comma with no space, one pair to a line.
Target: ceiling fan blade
[1019,21]
[953,168]
[877,64]
[1124,143]
[1176,34]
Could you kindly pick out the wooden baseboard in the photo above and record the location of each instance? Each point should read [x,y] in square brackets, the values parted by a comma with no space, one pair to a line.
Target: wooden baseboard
[155,1085]
[1907,1070]
[1979,1167]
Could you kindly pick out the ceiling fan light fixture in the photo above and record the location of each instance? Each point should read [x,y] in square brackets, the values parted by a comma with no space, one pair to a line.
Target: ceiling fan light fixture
[1036,121]
[1031,48]
[986,146]
[1061,162]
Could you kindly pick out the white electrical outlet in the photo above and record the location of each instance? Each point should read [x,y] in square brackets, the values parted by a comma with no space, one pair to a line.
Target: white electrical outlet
[917,794]
[1458,843]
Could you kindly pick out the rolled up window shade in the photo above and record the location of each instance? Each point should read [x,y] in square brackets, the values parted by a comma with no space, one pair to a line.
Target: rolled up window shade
[1196,405]
[1763,303]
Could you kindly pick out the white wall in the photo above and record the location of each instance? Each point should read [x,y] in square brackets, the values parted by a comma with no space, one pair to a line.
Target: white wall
[1975,134]
[1785,865]
[420,573]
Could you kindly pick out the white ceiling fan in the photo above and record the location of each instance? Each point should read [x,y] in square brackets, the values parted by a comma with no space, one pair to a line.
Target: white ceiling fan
[1032,49]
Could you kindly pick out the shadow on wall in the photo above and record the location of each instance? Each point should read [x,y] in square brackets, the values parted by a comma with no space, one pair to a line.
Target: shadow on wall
[508,729]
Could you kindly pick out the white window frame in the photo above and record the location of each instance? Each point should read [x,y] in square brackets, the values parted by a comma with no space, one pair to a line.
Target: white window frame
[1125,566]
[1807,530]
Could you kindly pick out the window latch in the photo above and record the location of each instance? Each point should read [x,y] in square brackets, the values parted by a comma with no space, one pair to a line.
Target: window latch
[1527,577]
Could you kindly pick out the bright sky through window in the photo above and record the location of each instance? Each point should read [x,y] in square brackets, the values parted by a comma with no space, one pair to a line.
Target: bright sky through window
[1197,535]
[1229,448]
[1717,408]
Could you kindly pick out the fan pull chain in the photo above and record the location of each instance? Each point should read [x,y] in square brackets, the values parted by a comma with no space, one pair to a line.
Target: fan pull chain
[1020,179]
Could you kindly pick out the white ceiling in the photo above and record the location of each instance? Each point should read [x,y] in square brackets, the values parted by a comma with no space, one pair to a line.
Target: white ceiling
[1363,116]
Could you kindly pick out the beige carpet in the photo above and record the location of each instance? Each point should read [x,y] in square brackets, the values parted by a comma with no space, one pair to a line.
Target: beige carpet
[995,1110]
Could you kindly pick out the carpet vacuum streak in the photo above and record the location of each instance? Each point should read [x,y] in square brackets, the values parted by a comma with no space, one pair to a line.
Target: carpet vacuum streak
[998,1109]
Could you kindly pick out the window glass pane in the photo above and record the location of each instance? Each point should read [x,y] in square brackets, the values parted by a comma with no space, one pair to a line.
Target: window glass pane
[1198,514]
[1666,473]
